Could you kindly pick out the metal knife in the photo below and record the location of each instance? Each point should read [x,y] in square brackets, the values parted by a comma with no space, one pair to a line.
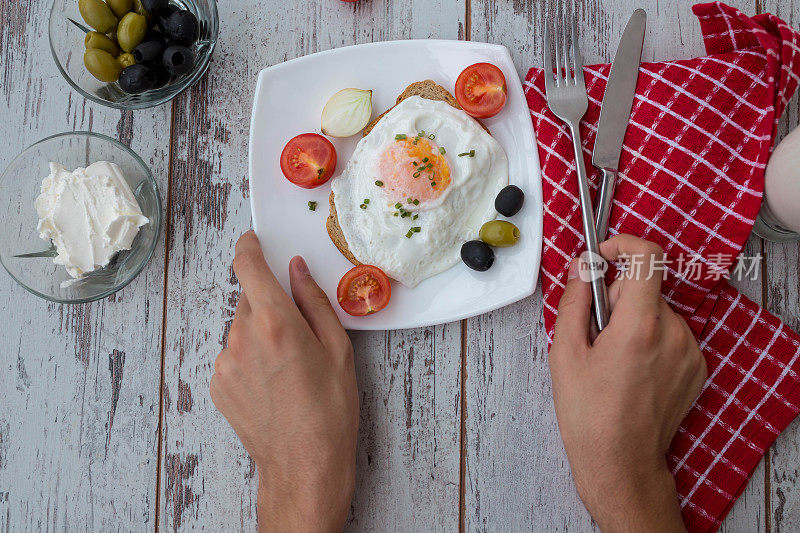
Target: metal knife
[615,114]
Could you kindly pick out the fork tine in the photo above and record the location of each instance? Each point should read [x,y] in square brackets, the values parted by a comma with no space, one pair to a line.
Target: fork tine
[566,50]
[557,52]
[577,60]
[549,81]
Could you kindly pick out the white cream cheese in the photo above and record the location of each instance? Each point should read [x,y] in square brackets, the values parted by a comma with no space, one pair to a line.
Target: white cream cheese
[89,214]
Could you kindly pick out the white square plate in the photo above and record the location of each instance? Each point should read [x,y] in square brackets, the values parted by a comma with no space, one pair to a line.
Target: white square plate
[289,100]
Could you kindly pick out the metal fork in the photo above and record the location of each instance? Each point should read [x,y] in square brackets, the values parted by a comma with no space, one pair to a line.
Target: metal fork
[566,96]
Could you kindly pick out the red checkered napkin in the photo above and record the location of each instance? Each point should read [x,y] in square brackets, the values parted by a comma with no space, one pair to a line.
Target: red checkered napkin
[691,179]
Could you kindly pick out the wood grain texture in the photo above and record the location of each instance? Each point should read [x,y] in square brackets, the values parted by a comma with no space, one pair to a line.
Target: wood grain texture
[517,475]
[783,299]
[409,381]
[79,384]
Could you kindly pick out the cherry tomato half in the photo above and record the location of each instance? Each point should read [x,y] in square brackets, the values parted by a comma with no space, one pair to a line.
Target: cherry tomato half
[364,290]
[308,160]
[481,90]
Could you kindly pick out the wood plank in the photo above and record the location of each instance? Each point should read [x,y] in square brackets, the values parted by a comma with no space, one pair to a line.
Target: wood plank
[408,458]
[783,295]
[517,475]
[80,383]
[409,381]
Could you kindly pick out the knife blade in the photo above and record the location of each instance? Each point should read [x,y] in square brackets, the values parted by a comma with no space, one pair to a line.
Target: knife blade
[615,114]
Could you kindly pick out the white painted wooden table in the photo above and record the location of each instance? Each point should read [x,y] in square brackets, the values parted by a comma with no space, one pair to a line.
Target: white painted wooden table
[105,418]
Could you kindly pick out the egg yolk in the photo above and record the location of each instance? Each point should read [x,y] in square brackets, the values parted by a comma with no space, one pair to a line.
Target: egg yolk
[414,168]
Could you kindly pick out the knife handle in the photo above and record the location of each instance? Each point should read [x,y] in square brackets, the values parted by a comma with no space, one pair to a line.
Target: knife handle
[605,197]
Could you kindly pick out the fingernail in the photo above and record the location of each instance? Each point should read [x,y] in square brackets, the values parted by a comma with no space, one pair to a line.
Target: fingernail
[574,269]
[302,267]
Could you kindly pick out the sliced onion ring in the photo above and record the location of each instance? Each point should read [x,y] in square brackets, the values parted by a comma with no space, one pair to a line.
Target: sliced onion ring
[347,112]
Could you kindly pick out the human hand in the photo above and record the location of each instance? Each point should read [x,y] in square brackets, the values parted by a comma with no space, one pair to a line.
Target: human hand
[620,399]
[286,383]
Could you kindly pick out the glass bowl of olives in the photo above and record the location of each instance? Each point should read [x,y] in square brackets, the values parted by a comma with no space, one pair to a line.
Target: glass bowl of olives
[133,54]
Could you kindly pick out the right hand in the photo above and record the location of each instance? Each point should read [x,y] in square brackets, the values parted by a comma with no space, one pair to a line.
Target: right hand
[620,398]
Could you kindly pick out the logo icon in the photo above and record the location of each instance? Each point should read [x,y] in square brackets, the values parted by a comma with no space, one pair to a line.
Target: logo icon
[592,266]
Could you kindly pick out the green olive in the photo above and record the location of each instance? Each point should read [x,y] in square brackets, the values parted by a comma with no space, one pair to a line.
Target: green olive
[139,9]
[98,15]
[120,7]
[499,233]
[102,65]
[131,31]
[101,42]
[126,60]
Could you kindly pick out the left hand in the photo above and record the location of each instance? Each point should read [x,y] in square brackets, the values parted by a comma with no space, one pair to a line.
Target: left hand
[286,383]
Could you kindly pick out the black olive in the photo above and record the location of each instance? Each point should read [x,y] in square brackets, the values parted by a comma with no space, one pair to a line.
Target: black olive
[509,201]
[153,6]
[163,16]
[137,78]
[477,255]
[162,76]
[154,35]
[183,27]
[149,53]
[178,60]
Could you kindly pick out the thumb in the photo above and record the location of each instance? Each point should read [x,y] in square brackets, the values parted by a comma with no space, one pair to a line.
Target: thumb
[314,305]
[573,325]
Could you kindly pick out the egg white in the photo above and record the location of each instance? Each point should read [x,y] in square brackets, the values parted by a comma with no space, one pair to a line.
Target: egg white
[376,237]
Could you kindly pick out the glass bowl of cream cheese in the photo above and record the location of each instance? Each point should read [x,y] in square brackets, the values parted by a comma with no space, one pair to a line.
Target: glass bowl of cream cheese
[81,216]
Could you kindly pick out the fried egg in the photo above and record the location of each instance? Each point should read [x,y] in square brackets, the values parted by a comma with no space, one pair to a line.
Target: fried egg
[417,187]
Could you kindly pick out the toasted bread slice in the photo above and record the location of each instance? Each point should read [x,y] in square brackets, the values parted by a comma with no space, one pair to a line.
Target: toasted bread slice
[336,235]
[425,89]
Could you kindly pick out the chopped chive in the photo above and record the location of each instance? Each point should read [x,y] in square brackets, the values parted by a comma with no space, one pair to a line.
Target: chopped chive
[398,205]
[366,200]
[379,183]
[421,133]
[429,165]
[415,217]
[416,174]
[432,136]
[397,214]
[416,229]
[424,159]
[433,184]
[414,163]
[441,150]
[471,153]
[409,234]
[363,206]
[415,202]
[400,137]
[312,206]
